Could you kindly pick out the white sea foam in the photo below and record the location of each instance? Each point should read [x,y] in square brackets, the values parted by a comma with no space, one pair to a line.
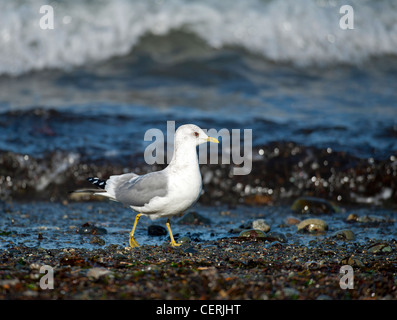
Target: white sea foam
[304,32]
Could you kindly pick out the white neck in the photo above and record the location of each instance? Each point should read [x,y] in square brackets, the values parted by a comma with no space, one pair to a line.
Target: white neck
[185,155]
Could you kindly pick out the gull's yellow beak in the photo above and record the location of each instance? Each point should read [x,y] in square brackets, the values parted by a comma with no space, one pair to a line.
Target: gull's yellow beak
[211,139]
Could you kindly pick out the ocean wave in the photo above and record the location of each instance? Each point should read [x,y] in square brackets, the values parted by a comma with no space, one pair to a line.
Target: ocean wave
[304,33]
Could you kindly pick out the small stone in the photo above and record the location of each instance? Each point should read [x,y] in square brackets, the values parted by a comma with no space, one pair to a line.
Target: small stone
[344,235]
[275,236]
[353,261]
[276,245]
[379,248]
[312,226]
[97,240]
[314,206]
[312,265]
[370,218]
[87,228]
[184,240]
[96,273]
[35,266]
[252,233]
[156,230]
[292,221]
[352,217]
[194,218]
[260,224]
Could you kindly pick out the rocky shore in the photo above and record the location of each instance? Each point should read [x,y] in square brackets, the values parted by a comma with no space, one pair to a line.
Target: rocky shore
[281,172]
[225,269]
[270,253]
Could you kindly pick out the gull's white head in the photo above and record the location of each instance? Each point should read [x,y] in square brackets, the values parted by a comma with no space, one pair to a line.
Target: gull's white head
[192,134]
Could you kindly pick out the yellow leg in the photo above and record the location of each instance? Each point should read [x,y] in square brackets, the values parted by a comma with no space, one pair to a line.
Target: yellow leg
[132,241]
[173,243]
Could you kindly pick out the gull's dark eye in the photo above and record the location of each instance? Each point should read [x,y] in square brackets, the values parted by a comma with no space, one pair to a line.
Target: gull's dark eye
[196,134]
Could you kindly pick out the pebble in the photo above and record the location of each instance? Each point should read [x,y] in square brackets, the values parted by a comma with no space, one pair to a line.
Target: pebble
[260,224]
[87,228]
[275,236]
[352,217]
[312,265]
[370,218]
[312,226]
[97,240]
[156,230]
[194,218]
[292,221]
[379,248]
[352,261]
[365,218]
[96,273]
[252,233]
[344,235]
[314,206]
[184,240]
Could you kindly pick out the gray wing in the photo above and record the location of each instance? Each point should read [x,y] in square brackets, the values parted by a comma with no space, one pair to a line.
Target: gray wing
[139,191]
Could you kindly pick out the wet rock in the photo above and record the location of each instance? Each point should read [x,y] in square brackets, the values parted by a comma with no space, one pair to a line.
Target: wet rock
[184,240]
[275,236]
[312,265]
[344,235]
[276,245]
[380,248]
[312,226]
[96,273]
[97,240]
[370,218]
[87,229]
[352,217]
[73,260]
[291,221]
[252,234]
[352,261]
[194,218]
[156,230]
[365,218]
[312,205]
[260,224]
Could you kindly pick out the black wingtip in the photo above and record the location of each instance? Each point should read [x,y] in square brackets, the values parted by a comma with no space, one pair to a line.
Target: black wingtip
[98,182]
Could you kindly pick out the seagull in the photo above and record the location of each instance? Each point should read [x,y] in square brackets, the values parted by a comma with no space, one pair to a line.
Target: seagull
[163,193]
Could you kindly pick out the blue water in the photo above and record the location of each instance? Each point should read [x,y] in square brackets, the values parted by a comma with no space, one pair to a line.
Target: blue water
[110,70]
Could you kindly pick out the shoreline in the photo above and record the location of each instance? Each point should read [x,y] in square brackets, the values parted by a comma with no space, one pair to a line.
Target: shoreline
[281,172]
[283,264]
[227,269]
